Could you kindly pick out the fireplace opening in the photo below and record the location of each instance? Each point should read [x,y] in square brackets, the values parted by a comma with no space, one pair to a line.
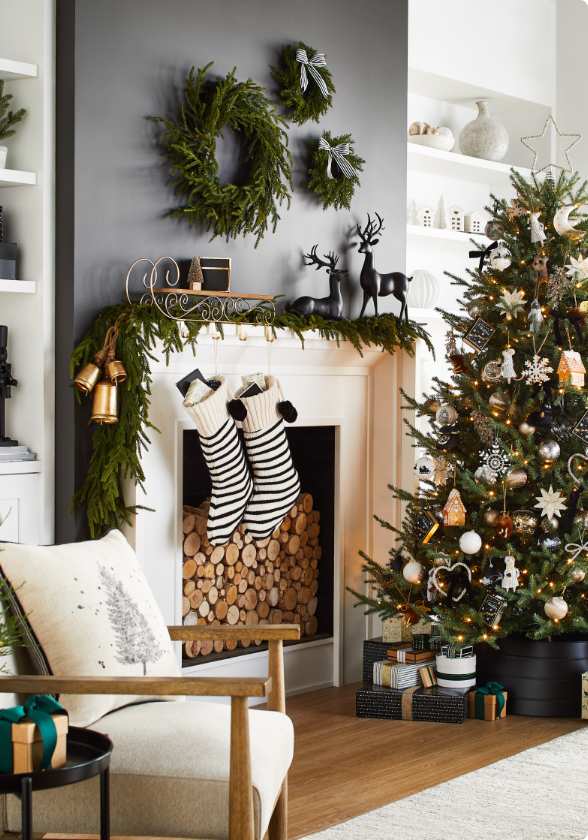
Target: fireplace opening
[296,590]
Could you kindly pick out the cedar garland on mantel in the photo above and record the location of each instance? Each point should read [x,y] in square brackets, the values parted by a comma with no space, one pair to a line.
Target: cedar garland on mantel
[117,449]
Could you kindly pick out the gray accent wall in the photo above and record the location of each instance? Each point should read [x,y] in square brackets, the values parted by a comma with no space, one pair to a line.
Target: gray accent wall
[121,61]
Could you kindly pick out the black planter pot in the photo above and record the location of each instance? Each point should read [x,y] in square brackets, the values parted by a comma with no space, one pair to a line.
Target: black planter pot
[543,679]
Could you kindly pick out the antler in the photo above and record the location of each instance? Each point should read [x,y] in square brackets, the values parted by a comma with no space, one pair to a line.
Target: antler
[370,230]
[316,260]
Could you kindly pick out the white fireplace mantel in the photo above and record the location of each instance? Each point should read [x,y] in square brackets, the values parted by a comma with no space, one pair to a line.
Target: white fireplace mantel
[328,385]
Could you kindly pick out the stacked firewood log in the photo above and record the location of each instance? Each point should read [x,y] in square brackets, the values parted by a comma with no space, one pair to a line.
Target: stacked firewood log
[271,581]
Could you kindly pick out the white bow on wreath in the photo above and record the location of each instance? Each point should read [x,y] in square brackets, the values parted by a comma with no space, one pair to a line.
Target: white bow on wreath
[338,153]
[318,60]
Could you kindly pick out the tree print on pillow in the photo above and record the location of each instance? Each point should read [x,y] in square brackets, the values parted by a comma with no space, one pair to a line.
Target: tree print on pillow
[135,642]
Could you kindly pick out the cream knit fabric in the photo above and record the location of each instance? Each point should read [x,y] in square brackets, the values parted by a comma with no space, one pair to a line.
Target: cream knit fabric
[262,409]
[210,414]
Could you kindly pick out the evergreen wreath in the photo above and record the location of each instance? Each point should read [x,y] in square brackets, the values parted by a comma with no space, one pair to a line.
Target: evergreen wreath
[310,105]
[338,191]
[208,108]
[118,448]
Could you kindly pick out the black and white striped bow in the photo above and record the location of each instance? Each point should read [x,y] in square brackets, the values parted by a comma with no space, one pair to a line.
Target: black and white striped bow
[338,153]
[312,63]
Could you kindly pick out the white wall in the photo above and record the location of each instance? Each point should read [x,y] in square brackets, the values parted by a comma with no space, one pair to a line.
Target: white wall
[26,34]
[572,114]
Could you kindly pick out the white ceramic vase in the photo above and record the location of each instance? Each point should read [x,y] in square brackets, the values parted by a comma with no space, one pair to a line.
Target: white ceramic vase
[3,153]
[423,290]
[484,137]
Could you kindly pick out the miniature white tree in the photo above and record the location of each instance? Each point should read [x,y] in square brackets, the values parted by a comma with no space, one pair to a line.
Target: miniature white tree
[441,215]
[412,218]
[135,643]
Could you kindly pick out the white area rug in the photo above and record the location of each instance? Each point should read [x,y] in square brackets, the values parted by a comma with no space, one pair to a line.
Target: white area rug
[539,794]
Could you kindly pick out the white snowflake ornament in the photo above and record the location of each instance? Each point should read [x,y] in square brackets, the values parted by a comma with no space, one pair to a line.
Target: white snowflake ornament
[550,502]
[538,370]
[578,268]
[495,459]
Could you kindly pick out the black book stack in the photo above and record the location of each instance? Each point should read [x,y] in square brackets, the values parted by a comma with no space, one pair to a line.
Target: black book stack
[7,255]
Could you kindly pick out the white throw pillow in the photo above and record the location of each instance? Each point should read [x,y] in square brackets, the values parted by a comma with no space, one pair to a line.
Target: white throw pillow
[92,613]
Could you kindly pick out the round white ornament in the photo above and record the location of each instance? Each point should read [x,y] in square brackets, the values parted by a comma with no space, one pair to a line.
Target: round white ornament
[446,415]
[500,258]
[556,608]
[414,572]
[470,542]
[424,467]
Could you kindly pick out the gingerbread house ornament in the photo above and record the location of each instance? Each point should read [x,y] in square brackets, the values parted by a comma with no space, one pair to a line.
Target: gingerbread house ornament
[571,367]
[454,511]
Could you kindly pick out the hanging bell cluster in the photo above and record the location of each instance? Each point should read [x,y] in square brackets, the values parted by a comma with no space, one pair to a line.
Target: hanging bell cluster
[103,382]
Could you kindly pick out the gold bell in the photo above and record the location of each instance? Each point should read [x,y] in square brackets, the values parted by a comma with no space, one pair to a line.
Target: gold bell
[105,405]
[116,372]
[87,378]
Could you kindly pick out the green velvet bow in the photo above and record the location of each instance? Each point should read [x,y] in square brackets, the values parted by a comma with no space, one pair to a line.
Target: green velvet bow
[490,688]
[39,709]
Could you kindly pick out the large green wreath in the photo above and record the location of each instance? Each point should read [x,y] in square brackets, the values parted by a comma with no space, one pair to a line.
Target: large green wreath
[338,191]
[310,105]
[208,108]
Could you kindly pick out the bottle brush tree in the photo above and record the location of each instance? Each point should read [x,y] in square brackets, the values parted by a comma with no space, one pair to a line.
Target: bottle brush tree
[7,120]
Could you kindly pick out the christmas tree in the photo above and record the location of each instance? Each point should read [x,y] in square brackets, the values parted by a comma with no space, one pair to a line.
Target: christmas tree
[495,539]
[135,642]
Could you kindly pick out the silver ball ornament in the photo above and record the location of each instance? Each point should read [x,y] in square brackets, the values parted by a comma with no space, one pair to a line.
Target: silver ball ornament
[525,521]
[486,473]
[577,575]
[414,572]
[516,478]
[549,450]
[550,525]
[470,542]
[556,608]
[581,519]
[424,467]
[446,415]
[526,429]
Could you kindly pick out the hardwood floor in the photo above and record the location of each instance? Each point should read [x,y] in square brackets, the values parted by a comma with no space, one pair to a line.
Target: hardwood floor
[345,766]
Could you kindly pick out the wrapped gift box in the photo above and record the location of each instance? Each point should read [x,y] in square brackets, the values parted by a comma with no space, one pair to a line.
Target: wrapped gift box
[410,656]
[585,695]
[491,709]
[27,745]
[420,704]
[396,630]
[374,650]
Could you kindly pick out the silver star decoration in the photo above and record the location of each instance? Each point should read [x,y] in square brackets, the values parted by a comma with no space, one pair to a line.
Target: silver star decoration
[537,136]
[550,502]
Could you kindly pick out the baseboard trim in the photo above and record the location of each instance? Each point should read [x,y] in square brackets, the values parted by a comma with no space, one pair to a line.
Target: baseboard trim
[308,688]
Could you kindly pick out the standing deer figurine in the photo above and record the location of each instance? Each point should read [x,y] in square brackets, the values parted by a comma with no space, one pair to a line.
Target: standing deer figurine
[330,307]
[376,285]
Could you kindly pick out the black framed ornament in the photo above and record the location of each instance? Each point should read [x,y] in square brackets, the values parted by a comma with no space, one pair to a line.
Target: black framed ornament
[478,334]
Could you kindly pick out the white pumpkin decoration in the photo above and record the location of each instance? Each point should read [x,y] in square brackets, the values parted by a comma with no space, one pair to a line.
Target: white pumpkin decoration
[423,290]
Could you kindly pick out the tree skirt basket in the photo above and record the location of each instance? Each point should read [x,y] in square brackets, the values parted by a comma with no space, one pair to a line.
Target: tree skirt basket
[543,679]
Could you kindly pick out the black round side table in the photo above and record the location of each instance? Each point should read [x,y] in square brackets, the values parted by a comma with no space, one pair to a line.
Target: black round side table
[88,754]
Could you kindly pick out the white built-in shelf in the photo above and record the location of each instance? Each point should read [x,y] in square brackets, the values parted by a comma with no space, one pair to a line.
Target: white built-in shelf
[429,314]
[21,287]
[439,238]
[452,165]
[458,92]
[20,467]
[16,178]
[10,70]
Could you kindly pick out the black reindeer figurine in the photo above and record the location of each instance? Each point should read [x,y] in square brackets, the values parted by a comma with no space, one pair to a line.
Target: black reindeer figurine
[376,285]
[329,308]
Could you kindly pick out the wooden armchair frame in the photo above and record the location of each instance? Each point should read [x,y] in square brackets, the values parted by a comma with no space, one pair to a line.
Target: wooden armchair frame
[241,823]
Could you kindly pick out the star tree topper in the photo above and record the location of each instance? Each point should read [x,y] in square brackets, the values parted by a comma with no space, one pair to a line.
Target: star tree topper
[559,134]
[550,502]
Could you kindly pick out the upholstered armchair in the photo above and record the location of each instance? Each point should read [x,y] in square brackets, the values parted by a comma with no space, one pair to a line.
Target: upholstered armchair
[182,769]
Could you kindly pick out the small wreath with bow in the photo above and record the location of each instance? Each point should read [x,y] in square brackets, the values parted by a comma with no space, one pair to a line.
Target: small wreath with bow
[306,84]
[210,106]
[333,171]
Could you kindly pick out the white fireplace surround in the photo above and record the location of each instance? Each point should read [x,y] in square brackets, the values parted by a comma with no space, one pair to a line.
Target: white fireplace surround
[328,385]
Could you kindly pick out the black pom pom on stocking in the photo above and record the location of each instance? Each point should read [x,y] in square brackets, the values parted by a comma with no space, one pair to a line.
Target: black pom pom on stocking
[237,410]
[287,411]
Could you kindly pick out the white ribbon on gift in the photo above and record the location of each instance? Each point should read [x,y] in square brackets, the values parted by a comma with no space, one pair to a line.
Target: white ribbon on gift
[312,63]
[579,548]
[337,152]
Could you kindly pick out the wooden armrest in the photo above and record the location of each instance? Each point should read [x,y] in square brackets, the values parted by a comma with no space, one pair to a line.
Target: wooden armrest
[194,686]
[238,632]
